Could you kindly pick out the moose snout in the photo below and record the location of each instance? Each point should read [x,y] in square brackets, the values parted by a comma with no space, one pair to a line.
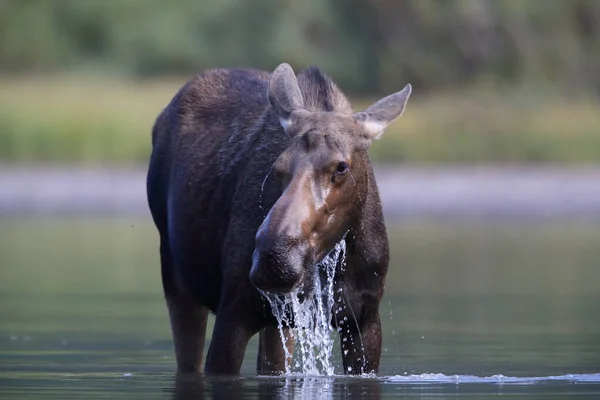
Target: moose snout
[277,265]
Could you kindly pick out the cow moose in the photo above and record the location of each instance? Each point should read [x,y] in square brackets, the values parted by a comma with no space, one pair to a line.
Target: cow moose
[253,179]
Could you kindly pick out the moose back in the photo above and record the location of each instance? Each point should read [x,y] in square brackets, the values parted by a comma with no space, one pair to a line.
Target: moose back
[253,178]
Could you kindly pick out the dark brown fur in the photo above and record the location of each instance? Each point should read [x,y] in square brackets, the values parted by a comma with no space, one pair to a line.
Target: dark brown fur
[221,163]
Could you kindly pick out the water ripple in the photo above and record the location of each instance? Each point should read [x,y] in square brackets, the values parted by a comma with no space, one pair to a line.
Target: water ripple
[442,378]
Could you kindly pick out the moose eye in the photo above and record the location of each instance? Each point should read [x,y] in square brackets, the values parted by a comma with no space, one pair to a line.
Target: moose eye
[342,168]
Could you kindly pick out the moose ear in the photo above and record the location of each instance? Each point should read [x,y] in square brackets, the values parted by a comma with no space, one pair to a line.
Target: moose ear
[284,93]
[377,117]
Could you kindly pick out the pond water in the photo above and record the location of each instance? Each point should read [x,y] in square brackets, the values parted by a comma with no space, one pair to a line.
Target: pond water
[479,308]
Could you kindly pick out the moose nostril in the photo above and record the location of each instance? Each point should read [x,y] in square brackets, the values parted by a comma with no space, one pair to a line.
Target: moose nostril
[265,243]
[274,272]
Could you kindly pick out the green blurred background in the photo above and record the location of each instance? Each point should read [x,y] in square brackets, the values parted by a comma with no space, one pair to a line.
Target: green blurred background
[494,81]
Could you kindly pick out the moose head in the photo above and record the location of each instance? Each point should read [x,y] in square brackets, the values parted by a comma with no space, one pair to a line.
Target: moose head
[325,178]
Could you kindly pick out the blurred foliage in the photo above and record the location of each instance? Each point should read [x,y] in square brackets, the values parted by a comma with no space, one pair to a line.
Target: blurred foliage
[495,81]
[369,46]
[109,120]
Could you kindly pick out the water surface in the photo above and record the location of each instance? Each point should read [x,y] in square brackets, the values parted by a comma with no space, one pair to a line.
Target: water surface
[474,308]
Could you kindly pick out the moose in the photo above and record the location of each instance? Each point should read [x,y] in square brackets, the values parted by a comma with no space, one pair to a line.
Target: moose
[253,178]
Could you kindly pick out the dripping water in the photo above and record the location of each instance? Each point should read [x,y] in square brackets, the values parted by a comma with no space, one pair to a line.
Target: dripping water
[262,189]
[310,317]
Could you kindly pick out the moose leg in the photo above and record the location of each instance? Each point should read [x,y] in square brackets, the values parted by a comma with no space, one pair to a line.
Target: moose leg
[188,318]
[361,345]
[271,353]
[188,324]
[228,344]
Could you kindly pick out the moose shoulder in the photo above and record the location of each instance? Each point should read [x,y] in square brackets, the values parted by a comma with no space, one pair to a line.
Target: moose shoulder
[253,178]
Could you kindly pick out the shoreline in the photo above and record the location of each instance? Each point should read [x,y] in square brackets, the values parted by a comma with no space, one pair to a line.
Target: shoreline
[406,191]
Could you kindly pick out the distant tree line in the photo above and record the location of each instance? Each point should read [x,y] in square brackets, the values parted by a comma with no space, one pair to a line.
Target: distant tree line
[368,45]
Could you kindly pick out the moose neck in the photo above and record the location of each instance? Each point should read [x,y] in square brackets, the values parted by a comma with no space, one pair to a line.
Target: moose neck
[366,241]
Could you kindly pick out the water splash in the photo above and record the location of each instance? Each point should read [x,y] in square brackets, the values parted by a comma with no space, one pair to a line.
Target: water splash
[310,318]
[500,379]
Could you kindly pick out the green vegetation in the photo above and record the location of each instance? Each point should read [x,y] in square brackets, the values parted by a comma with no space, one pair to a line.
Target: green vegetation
[79,120]
[494,81]
[109,121]
[478,128]
[369,46]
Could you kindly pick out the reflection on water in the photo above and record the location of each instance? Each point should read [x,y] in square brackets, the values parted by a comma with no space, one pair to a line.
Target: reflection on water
[169,386]
[82,315]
